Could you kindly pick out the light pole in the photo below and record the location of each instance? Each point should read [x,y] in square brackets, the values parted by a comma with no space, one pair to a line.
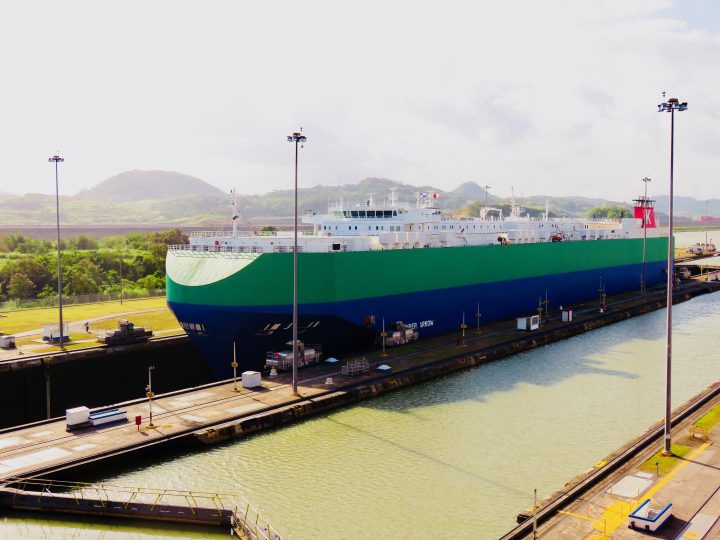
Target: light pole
[150,394]
[644,223]
[298,138]
[671,105]
[121,281]
[57,159]
[234,366]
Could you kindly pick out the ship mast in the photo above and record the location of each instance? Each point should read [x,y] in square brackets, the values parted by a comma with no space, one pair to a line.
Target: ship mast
[235,213]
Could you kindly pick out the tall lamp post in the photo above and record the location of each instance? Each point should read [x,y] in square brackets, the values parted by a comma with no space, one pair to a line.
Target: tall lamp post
[671,105]
[643,281]
[57,159]
[298,138]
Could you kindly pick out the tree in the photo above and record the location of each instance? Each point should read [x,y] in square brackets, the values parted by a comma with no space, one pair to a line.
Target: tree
[85,277]
[34,268]
[20,286]
[84,242]
[610,212]
[151,282]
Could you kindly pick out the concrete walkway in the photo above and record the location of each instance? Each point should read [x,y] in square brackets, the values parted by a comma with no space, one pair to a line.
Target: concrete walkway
[692,486]
[24,451]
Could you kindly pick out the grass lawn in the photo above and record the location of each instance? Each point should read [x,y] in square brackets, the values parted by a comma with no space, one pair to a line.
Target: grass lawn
[666,464]
[30,319]
[711,418]
[156,320]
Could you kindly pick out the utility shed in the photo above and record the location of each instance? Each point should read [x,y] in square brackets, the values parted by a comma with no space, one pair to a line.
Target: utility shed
[528,323]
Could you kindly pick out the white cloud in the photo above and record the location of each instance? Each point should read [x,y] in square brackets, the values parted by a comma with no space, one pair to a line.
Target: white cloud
[552,97]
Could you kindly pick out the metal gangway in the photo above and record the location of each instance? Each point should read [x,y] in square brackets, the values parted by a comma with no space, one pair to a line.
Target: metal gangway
[142,503]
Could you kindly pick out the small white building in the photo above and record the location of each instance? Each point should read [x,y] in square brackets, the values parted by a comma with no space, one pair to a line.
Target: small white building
[528,323]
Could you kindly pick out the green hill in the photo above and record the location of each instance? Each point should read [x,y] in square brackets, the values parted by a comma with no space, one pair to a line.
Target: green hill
[137,185]
[173,199]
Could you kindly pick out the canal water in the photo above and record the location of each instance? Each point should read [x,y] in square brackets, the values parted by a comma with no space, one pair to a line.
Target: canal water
[457,457]
[684,239]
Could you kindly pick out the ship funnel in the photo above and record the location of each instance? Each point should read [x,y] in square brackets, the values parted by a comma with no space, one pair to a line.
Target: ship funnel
[645,210]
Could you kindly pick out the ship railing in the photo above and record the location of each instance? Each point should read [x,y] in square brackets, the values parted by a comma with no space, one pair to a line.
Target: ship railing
[219,234]
[354,205]
[183,249]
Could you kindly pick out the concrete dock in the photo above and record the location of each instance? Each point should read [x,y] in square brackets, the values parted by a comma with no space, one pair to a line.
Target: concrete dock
[691,483]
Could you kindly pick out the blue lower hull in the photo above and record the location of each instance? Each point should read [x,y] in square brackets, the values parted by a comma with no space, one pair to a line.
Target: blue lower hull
[344,327]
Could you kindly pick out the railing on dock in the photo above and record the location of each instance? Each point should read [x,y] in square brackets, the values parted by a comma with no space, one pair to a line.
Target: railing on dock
[356,367]
[154,504]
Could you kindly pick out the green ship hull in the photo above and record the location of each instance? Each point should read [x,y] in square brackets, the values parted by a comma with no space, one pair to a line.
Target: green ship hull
[221,298]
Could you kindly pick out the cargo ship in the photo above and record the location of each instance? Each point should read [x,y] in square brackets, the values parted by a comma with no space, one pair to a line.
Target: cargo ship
[371,263]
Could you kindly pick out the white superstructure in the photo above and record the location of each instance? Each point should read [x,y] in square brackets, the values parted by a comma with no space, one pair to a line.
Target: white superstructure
[390,224]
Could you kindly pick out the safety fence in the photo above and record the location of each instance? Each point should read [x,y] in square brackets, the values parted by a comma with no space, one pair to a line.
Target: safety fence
[33,303]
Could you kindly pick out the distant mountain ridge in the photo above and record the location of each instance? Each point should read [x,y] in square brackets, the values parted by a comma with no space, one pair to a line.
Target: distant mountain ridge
[147,185]
[174,199]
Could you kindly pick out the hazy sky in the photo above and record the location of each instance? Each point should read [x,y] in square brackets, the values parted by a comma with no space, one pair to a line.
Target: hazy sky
[551,97]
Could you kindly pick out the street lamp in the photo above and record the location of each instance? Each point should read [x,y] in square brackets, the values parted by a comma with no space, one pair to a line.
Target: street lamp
[671,105]
[150,394]
[299,139]
[645,202]
[57,159]
[121,281]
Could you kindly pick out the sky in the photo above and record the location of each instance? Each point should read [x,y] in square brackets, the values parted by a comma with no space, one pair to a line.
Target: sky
[557,97]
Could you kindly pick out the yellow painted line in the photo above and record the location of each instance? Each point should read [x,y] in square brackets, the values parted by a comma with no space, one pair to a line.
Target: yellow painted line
[613,516]
[680,466]
[575,515]
[616,514]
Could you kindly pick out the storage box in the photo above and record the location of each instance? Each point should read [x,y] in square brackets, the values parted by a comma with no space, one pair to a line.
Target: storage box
[78,415]
[250,379]
[108,416]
